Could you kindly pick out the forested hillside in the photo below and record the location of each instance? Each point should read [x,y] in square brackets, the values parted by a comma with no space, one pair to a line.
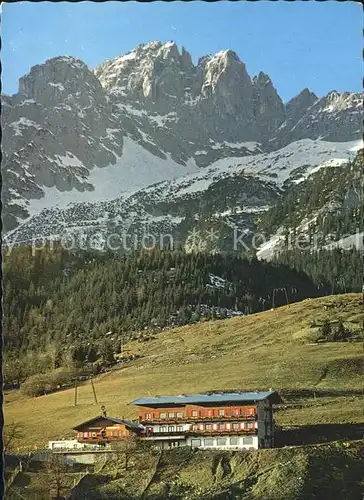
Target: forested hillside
[338,269]
[325,207]
[57,302]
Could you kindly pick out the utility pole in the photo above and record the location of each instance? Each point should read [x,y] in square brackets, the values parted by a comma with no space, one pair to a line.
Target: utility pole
[361,205]
[362,238]
[285,291]
[76,391]
[93,390]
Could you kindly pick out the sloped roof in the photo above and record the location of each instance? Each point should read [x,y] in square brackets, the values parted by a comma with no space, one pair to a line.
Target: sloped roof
[209,398]
[114,420]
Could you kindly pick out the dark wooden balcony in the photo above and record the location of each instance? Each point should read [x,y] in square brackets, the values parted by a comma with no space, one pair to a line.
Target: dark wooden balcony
[220,418]
[100,440]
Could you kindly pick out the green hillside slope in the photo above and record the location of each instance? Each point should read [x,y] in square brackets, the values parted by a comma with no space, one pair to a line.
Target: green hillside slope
[271,349]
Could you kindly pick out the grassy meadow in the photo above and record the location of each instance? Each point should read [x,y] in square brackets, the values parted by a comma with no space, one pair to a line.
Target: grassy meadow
[274,349]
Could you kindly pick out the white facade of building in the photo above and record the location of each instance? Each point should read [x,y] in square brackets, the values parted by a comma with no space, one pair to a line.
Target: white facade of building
[67,444]
[206,442]
[201,426]
[197,435]
[223,442]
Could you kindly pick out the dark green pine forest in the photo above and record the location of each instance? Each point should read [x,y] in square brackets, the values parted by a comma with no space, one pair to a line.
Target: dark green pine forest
[64,307]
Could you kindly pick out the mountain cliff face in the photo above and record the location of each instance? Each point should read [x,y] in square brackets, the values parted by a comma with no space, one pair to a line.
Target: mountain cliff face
[149,129]
[215,99]
[336,117]
[55,130]
[324,210]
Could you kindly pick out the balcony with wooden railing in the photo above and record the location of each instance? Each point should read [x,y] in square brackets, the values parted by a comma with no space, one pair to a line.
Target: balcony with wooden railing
[100,438]
[199,418]
[204,432]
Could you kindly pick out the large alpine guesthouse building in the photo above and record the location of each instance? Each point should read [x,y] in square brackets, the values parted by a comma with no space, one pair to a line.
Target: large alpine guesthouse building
[218,420]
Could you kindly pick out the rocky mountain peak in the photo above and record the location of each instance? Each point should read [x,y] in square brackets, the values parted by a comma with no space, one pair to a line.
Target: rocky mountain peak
[225,58]
[339,101]
[226,90]
[186,59]
[228,56]
[226,67]
[170,50]
[155,45]
[153,113]
[57,78]
[262,79]
[307,94]
[335,117]
[298,106]
[153,73]
[269,109]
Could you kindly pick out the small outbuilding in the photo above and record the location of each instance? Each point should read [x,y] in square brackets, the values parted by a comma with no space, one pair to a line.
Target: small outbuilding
[103,430]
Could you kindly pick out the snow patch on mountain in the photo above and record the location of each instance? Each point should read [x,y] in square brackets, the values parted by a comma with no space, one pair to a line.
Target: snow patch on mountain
[277,167]
[135,169]
[22,123]
[270,247]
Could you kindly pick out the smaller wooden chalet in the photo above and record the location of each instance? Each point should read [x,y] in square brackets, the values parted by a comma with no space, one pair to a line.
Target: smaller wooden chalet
[104,430]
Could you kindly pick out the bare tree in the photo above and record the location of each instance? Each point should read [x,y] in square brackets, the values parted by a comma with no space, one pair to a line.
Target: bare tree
[52,478]
[12,434]
[126,448]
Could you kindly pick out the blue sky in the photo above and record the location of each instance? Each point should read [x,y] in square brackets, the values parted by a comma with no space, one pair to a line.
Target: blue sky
[299,44]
